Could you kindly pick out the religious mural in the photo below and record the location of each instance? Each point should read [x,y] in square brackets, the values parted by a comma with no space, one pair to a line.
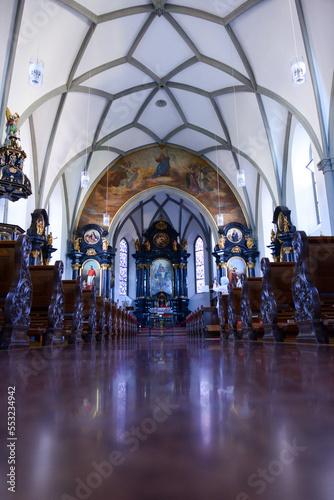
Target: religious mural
[161,166]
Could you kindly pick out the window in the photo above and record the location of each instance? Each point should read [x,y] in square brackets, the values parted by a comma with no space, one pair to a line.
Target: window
[199,264]
[123,267]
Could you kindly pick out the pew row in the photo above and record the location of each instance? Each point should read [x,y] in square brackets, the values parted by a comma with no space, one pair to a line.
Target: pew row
[73,311]
[15,292]
[47,309]
[250,307]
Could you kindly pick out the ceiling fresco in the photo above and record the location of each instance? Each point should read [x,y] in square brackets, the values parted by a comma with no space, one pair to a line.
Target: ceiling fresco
[161,166]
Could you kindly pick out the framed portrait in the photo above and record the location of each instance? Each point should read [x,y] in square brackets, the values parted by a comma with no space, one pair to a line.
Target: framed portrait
[91,275]
[92,236]
[234,235]
[161,240]
[161,277]
[236,266]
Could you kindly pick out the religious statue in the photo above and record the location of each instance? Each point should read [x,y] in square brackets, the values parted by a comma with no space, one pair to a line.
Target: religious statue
[137,245]
[184,245]
[105,244]
[286,224]
[272,237]
[40,227]
[76,244]
[11,127]
[221,242]
[249,242]
[50,239]
[174,245]
[147,245]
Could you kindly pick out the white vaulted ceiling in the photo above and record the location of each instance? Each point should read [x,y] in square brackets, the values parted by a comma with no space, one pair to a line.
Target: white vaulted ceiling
[221,66]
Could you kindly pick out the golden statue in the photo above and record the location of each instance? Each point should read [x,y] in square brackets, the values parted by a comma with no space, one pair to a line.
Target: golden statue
[221,242]
[76,244]
[147,245]
[40,227]
[137,245]
[249,242]
[184,245]
[175,245]
[272,237]
[105,244]
[286,224]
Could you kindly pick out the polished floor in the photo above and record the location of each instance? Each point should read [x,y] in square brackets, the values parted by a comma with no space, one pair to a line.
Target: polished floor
[165,420]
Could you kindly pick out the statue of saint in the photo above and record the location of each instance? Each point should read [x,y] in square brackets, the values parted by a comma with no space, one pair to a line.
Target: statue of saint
[221,242]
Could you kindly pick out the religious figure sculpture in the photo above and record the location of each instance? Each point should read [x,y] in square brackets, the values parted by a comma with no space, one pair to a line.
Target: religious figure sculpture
[221,241]
[105,244]
[184,245]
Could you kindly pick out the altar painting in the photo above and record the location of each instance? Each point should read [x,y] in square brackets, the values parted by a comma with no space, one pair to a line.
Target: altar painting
[161,276]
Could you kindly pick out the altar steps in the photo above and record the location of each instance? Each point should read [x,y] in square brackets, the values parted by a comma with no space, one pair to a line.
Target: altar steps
[167,332]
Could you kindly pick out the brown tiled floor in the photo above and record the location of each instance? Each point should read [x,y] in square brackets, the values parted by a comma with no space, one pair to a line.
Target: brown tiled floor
[156,421]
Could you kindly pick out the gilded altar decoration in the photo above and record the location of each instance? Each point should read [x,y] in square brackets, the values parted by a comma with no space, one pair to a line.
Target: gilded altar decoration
[249,242]
[91,251]
[160,240]
[236,249]
[161,224]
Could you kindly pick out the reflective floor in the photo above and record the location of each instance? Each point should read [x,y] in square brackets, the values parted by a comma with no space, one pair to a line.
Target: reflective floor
[163,421]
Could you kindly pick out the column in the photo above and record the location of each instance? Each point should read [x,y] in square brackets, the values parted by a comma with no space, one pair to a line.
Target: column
[326,167]
[75,271]
[33,257]
[251,269]
[148,281]
[185,287]
[104,269]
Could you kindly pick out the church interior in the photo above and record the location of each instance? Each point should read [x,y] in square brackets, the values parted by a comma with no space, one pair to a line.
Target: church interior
[166,249]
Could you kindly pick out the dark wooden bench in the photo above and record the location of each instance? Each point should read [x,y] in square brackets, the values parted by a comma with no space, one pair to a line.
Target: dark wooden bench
[15,292]
[250,307]
[73,310]
[277,304]
[47,309]
[222,303]
[210,323]
[313,286]
[89,315]
[233,313]
[101,319]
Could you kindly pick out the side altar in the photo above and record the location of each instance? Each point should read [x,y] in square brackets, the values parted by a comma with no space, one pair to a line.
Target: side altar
[161,274]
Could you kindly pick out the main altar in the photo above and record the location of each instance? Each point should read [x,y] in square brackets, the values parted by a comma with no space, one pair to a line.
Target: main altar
[161,276]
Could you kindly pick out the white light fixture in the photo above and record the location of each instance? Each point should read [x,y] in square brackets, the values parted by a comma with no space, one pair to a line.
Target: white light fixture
[298,70]
[84,179]
[241,178]
[36,72]
[220,219]
[106,219]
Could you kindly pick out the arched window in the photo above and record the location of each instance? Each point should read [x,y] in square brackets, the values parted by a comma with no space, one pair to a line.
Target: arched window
[123,267]
[199,264]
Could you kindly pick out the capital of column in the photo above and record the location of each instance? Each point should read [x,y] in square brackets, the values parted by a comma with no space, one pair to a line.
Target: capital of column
[326,165]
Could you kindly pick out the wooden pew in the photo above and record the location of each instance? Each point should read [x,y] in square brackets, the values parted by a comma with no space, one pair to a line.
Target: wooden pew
[222,301]
[233,313]
[250,307]
[73,310]
[47,309]
[90,315]
[210,323]
[108,308]
[277,304]
[101,319]
[15,292]
[313,286]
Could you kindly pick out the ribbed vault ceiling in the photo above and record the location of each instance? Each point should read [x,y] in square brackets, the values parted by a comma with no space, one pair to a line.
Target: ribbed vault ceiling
[222,68]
